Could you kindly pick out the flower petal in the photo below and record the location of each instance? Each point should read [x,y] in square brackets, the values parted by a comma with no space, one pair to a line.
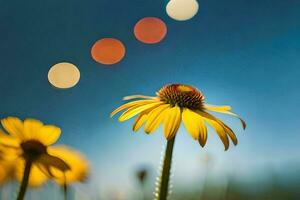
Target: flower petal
[6,170]
[227,129]
[79,168]
[138,97]
[171,119]
[155,118]
[52,161]
[225,111]
[217,108]
[140,120]
[130,104]
[36,178]
[195,125]
[217,126]
[32,128]
[190,120]
[14,126]
[8,141]
[203,134]
[48,134]
[131,112]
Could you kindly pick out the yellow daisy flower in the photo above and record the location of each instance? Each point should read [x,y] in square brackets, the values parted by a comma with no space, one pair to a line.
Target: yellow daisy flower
[175,103]
[29,144]
[29,140]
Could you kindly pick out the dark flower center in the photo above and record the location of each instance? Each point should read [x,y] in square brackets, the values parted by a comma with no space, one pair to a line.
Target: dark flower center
[184,96]
[33,149]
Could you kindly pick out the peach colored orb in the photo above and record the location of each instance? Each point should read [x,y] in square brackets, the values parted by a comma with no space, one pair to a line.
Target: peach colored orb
[63,75]
[150,30]
[108,51]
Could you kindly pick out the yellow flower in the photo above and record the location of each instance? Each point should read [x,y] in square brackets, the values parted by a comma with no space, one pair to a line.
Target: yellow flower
[175,103]
[77,162]
[30,141]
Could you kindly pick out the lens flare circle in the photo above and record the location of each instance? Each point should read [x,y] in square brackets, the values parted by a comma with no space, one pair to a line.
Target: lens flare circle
[182,10]
[64,75]
[108,51]
[150,30]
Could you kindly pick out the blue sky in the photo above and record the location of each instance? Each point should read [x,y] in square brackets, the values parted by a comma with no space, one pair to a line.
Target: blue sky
[242,53]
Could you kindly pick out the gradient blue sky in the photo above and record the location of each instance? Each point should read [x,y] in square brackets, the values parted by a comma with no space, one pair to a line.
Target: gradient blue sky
[242,53]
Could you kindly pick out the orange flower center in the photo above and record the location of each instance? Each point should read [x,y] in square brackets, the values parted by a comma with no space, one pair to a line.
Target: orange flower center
[33,149]
[184,96]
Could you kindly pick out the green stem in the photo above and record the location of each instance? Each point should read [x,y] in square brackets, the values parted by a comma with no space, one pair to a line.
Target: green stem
[165,176]
[65,188]
[25,180]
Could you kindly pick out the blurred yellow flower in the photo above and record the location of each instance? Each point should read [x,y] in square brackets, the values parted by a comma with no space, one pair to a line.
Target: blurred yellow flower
[31,140]
[79,165]
[175,103]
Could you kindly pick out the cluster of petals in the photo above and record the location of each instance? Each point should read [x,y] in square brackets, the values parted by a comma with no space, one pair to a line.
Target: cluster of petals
[154,111]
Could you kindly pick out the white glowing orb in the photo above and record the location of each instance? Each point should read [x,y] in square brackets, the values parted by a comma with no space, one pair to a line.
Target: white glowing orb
[64,75]
[182,10]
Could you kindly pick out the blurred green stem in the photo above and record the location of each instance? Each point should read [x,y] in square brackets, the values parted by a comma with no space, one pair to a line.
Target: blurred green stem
[165,176]
[65,188]
[25,180]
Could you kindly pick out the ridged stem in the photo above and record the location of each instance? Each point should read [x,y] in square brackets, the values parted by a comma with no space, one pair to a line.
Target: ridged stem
[24,183]
[166,171]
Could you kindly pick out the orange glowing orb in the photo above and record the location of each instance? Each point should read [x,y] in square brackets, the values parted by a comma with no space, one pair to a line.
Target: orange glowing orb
[108,51]
[150,30]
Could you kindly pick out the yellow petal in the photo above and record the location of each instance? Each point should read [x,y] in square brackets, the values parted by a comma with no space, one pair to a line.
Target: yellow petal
[79,167]
[230,132]
[171,119]
[49,161]
[32,128]
[227,129]
[48,134]
[6,171]
[195,125]
[130,104]
[217,108]
[203,133]
[36,178]
[9,153]
[225,111]
[131,112]
[8,141]
[155,118]
[14,126]
[3,174]
[140,120]
[190,120]
[217,126]
[138,97]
